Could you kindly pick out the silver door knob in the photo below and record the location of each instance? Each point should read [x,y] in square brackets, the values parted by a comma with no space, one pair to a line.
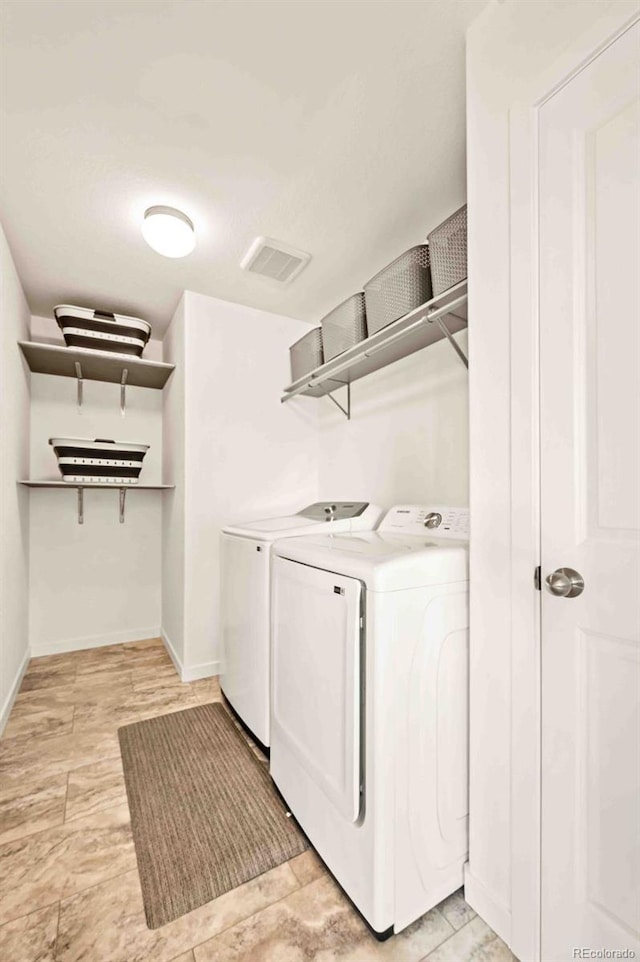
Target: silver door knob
[433,519]
[565,583]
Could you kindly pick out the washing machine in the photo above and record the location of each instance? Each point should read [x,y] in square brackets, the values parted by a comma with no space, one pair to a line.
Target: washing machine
[245,599]
[369,741]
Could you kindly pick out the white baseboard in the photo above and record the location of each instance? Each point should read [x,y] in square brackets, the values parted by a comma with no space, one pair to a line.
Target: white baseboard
[95,641]
[189,672]
[13,691]
[205,669]
[173,654]
[494,912]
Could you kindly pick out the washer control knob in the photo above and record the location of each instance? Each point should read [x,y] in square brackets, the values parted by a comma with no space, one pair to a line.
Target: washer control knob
[433,520]
[330,512]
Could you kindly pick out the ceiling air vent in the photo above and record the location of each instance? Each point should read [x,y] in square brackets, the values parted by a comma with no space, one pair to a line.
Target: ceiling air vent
[275,260]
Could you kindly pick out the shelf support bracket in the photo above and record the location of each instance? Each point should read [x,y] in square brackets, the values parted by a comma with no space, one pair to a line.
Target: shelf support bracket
[346,411]
[454,344]
[80,505]
[79,378]
[123,392]
[123,494]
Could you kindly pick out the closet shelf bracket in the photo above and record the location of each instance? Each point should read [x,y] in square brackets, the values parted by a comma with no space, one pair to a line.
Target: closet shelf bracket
[122,492]
[345,410]
[79,380]
[123,392]
[447,333]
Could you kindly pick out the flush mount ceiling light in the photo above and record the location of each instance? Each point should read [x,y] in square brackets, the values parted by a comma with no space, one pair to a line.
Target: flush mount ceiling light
[168,231]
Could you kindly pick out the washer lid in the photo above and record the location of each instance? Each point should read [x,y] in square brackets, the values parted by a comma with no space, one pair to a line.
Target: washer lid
[270,528]
[327,516]
[384,561]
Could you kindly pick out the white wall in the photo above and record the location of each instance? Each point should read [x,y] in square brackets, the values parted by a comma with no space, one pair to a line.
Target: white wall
[246,455]
[516,53]
[408,436]
[14,500]
[99,582]
[235,452]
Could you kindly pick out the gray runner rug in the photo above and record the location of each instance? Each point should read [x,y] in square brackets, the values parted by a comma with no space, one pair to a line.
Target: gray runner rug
[205,815]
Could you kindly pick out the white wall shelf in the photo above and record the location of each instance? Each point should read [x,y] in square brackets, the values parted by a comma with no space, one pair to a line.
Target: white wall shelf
[97,484]
[419,328]
[80,488]
[82,364]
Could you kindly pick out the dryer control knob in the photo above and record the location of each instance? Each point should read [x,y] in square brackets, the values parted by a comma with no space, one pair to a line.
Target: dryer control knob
[433,520]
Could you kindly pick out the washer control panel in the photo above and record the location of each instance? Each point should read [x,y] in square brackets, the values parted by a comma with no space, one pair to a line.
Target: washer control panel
[436,520]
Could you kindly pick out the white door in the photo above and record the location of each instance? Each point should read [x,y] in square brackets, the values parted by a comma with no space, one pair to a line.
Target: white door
[316,708]
[589,152]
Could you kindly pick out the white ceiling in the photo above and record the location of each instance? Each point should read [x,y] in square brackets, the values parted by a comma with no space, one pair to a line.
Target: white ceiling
[336,127]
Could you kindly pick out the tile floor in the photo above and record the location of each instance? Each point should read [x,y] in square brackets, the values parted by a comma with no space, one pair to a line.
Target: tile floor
[69,888]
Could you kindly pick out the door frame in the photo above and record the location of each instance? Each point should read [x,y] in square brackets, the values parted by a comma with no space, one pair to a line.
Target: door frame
[525,521]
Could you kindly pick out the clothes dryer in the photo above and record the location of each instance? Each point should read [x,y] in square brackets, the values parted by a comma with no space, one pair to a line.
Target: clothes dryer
[369,743]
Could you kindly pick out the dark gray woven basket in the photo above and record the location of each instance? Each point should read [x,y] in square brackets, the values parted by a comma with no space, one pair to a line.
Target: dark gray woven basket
[402,286]
[344,326]
[306,354]
[448,246]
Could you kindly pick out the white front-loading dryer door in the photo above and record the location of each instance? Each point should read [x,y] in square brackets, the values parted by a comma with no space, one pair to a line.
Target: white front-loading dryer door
[316,690]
